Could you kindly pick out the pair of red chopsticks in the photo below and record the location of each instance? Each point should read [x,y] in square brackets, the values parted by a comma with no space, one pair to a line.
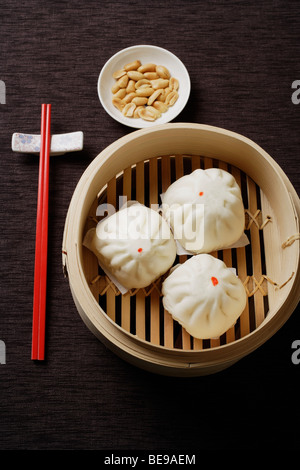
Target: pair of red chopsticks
[41,244]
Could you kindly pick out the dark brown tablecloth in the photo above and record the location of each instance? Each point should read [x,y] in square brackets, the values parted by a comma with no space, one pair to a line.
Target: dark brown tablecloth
[243,57]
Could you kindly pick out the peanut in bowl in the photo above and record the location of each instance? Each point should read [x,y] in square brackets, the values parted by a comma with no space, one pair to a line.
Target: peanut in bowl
[143,85]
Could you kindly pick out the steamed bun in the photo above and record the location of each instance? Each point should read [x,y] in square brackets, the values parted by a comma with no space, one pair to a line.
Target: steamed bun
[135,245]
[205,210]
[204,296]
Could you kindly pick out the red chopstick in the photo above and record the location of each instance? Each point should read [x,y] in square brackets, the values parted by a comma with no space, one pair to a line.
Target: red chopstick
[38,246]
[41,244]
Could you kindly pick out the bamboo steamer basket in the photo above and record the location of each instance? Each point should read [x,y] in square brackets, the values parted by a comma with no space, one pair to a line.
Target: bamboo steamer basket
[134,325]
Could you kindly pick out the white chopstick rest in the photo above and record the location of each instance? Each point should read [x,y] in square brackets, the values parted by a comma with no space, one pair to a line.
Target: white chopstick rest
[60,143]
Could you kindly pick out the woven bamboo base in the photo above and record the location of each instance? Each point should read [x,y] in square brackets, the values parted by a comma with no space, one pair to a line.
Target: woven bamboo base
[141,312]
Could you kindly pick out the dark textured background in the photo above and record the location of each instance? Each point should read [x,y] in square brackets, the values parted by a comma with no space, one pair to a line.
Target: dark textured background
[242,57]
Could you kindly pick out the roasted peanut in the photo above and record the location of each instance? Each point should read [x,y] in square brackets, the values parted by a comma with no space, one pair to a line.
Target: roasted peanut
[131,86]
[174,83]
[162,71]
[162,96]
[118,103]
[128,109]
[159,83]
[154,96]
[132,65]
[134,75]
[115,88]
[123,81]
[119,73]
[160,106]
[144,91]
[151,75]
[167,91]
[147,114]
[142,82]
[129,97]
[120,93]
[147,68]
[140,100]
[171,98]
[136,111]
[154,111]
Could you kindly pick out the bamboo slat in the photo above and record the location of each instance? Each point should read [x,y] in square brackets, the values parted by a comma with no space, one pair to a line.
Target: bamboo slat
[125,314]
[196,164]
[179,171]
[227,258]
[256,253]
[155,296]
[208,163]
[110,294]
[140,311]
[167,320]
[242,270]
[90,262]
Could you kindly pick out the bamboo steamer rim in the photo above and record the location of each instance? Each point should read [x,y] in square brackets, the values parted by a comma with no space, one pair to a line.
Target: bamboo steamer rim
[125,344]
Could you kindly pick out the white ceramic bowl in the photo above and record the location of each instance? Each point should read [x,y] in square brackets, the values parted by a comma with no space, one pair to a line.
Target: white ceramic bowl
[145,54]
